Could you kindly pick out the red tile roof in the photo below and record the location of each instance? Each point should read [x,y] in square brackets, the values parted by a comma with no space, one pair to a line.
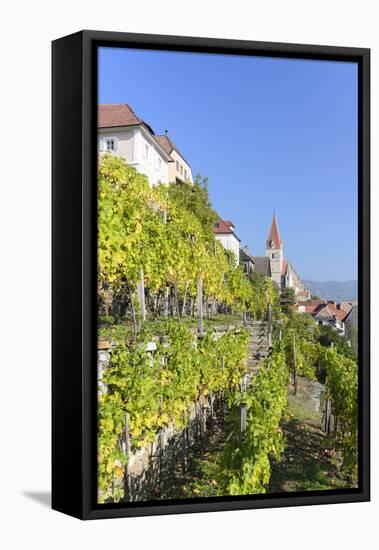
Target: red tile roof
[330,308]
[168,145]
[308,309]
[113,115]
[310,306]
[274,236]
[222,227]
[346,306]
[340,314]
[313,303]
[165,143]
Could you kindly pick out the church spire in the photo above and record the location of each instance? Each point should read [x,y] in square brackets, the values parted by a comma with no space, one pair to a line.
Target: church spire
[273,239]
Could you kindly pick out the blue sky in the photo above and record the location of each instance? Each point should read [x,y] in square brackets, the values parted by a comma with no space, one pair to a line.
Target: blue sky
[270,134]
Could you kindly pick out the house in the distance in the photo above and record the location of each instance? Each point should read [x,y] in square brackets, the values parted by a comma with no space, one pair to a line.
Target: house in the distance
[262,265]
[246,260]
[309,306]
[351,325]
[331,314]
[327,312]
[224,232]
[292,280]
[179,170]
[122,133]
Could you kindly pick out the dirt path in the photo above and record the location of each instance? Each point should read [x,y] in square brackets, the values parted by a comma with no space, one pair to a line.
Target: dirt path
[199,479]
[309,461]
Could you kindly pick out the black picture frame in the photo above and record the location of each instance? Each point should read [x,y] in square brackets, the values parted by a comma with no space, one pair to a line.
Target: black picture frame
[74,172]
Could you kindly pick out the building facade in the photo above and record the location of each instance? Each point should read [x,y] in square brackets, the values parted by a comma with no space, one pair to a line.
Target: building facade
[328,313]
[292,280]
[179,171]
[246,260]
[224,232]
[123,134]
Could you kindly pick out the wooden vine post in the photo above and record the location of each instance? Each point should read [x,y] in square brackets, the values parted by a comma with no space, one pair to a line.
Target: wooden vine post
[243,418]
[269,315]
[269,326]
[141,295]
[200,328]
[184,299]
[128,485]
[166,295]
[244,317]
[161,439]
[161,433]
[294,363]
[185,446]
[211,400]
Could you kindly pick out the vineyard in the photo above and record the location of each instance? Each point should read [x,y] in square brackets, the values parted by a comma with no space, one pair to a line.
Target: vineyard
[186,390]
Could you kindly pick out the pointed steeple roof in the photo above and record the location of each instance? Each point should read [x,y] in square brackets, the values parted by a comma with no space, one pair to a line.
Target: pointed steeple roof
[273,239]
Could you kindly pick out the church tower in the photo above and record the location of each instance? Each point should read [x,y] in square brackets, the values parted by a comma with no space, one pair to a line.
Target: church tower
[274,252]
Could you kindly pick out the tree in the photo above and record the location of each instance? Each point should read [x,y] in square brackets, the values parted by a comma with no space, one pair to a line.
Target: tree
[352,335]
[195,199]
[287,300]
[328,337]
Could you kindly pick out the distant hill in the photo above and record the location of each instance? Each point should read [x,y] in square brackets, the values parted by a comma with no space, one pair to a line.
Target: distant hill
[333,290]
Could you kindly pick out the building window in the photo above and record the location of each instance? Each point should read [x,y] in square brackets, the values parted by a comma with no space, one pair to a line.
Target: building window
[272,255]
[109,144]
[185,174]
[177,166]
[181,169]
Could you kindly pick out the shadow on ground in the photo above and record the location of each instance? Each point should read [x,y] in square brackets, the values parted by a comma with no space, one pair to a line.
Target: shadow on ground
[41,497]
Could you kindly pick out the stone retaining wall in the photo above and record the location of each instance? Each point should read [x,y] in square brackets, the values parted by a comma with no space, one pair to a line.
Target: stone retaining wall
[148,467]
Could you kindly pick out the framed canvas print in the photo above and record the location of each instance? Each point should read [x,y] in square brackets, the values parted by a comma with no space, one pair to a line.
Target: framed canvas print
[210,274]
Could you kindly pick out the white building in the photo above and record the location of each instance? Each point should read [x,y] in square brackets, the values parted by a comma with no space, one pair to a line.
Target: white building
[179,171]
[122,133]
[333,315]
[292,280]
[224,232]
